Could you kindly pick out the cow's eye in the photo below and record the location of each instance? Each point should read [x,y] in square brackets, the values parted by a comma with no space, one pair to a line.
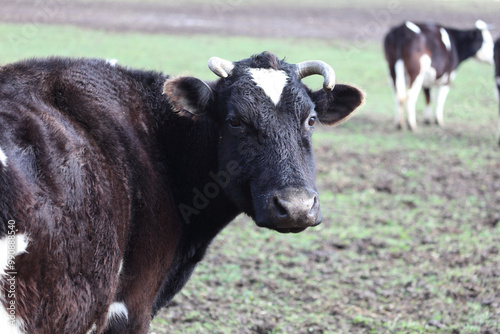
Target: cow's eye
[234,122]
[311,121]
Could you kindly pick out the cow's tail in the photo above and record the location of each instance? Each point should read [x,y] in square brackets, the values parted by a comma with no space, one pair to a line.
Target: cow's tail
[394,56]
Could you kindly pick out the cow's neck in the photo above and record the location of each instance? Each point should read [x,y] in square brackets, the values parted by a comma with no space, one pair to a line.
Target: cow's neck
[191,150]
[464,41]
[192,159]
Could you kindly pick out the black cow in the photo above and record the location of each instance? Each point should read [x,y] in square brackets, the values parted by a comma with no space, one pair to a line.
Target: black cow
[497,77]
[114,181]
[426,55]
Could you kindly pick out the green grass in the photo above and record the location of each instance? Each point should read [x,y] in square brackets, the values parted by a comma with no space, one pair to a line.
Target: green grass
[362,65]
[418,257]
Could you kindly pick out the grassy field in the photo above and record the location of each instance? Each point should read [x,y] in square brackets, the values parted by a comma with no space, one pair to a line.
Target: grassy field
[410,237]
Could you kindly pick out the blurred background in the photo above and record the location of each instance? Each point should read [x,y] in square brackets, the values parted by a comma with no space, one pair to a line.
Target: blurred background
[410,238]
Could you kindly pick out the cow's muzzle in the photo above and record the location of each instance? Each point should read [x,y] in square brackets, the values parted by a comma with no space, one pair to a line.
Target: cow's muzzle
[290,210]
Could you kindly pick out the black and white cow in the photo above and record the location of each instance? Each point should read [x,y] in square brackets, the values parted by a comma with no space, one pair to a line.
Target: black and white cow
[426,55]
[497,77]
[114,181]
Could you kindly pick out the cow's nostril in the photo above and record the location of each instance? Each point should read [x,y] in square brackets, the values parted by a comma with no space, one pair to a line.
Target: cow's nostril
[279,208]
[315,207]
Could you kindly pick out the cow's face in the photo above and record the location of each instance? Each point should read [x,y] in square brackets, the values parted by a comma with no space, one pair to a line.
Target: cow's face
[266,117]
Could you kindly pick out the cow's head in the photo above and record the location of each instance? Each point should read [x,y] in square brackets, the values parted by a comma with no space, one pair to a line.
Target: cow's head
[266,117]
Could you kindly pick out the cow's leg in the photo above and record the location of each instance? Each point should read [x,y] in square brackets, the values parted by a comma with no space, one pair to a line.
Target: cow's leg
[411,103]
[428,106]
[417,67]
[442,93]
[399,93]
[399,120]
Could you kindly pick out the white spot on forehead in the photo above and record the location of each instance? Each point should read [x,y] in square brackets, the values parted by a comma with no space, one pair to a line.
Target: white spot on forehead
[498,81]
[445,38]
[271,81]
[413,27]
[3,158]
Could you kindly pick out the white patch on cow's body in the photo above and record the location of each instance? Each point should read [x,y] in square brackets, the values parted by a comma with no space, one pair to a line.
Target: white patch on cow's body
[413,27]
[112,61]
[430,77]
[3,158]
[271,81]
[481,25]
[445,38]
[485,53]
[497,79]
[10,247]
[8,326]
[116,311]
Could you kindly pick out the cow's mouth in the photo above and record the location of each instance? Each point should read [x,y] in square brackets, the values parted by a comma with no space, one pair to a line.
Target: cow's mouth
[290,230]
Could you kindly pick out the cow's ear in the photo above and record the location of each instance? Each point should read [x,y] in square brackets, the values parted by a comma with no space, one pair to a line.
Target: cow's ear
[334,107]
[189,96]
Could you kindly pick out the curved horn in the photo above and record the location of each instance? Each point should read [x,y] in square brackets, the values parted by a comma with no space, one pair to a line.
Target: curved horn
[311,67]
[220,67]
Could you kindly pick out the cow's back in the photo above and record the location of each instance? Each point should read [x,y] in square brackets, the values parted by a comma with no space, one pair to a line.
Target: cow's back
[75,141]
